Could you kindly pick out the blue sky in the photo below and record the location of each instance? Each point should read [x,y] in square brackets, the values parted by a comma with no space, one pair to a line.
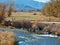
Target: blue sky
[34,0]
[42,1]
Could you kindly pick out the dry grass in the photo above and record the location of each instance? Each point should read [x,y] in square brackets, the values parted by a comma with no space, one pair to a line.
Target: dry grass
[29,16]
[7,38]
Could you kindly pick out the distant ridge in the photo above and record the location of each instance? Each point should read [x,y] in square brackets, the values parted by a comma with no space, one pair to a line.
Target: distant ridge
[27,4]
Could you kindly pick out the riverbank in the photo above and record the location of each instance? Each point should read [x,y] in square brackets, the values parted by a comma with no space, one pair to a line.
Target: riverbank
[21,30]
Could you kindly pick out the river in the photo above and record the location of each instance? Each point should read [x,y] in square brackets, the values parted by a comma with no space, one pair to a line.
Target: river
[26,38]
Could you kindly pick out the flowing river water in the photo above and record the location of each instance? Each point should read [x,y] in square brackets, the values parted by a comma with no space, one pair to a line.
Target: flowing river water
[25,38]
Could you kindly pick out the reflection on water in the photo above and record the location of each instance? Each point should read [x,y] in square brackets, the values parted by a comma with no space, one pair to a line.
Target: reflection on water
[25,38]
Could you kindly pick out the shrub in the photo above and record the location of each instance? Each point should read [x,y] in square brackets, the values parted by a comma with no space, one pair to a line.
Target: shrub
[35,14]
[7,38]
[52,8]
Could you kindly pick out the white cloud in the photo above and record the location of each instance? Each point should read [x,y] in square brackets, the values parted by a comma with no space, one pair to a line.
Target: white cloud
[42,1]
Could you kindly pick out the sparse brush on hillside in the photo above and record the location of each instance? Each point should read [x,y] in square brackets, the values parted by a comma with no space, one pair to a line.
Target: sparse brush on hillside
[7,38]
[52,8]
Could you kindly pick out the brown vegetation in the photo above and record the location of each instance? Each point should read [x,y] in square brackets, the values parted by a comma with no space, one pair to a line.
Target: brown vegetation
[28,25]
[53,28]
[18,16]
[3,12]
[35,14]
[52,8]
[7,38]
[35,26]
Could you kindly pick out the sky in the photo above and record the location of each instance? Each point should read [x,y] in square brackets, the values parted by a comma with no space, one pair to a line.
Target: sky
[45,1]
[35,0]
